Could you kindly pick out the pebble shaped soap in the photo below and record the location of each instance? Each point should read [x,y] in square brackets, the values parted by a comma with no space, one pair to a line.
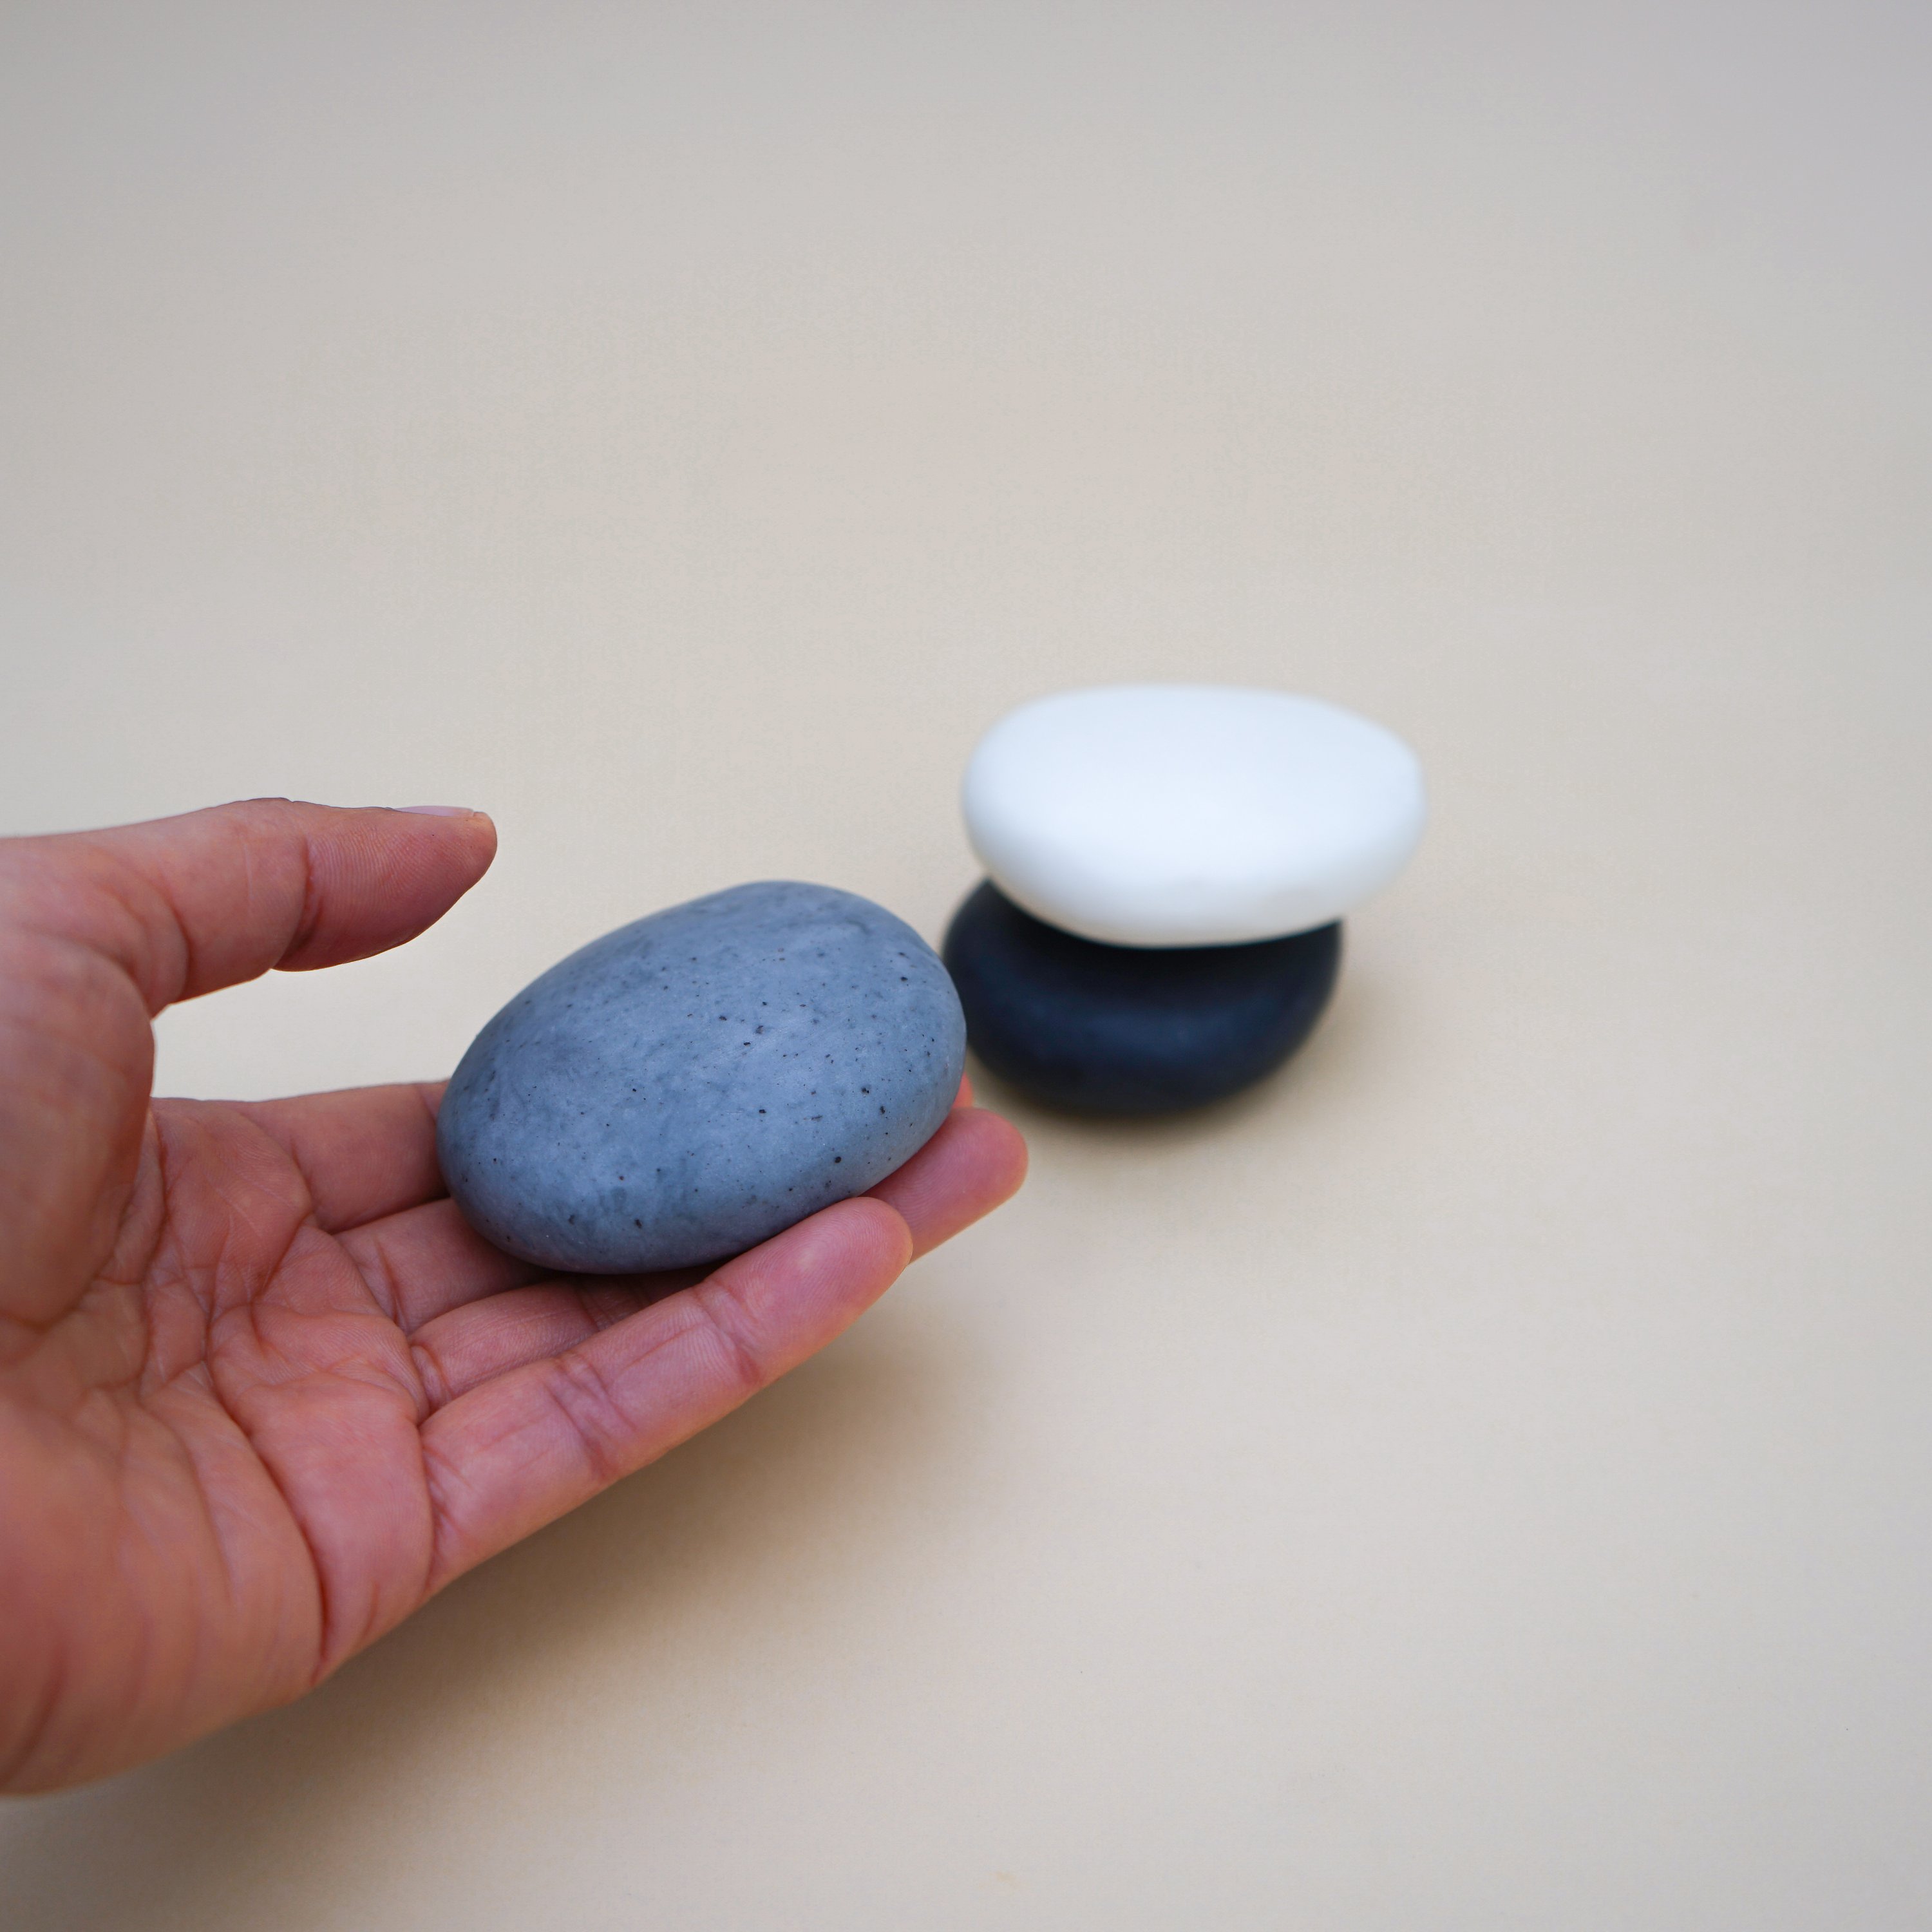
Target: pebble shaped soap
[1177,814]
[1132,1029]
[693,1083]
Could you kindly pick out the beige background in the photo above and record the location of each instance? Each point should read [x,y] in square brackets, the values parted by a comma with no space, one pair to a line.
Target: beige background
[1482,1479]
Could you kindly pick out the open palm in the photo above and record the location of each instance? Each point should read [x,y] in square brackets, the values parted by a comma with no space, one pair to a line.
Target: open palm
[263,1391]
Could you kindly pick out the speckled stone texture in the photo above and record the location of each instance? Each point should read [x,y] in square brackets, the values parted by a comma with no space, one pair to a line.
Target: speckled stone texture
[691,1083]
[1130,1029]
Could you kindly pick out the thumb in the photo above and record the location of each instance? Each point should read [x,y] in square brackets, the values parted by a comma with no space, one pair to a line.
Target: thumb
[99,931]
[184,905]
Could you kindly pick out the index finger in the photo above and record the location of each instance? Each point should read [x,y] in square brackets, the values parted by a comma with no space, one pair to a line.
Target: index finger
[520,1450]
[364,1152]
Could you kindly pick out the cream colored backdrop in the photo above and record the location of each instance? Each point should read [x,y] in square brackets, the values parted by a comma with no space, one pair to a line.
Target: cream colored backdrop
[1482,1479]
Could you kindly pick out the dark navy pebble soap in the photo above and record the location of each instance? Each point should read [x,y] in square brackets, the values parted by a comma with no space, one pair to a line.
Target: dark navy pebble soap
[1131,1029]
[693,1083]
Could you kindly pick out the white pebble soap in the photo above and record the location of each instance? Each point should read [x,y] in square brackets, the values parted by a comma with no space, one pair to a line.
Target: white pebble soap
[1185,814]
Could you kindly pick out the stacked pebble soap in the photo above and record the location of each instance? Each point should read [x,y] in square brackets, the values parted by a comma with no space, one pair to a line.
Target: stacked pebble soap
[1168,867]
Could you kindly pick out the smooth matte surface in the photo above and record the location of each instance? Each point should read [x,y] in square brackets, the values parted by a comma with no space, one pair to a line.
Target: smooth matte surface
[1127,1029]
[688,1085]
[1190,814]
[1477,1480]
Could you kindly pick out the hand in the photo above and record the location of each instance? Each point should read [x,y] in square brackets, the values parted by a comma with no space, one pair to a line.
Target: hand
[262,1392]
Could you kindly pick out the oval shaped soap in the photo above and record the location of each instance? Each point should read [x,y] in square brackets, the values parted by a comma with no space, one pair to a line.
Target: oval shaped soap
[1177,814]
[691,1083]
[1131,1029]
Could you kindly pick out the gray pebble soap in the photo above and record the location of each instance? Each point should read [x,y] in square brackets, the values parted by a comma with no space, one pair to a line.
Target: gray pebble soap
[698,1081]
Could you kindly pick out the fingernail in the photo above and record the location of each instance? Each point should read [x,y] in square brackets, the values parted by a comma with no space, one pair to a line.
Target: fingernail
[439,810]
